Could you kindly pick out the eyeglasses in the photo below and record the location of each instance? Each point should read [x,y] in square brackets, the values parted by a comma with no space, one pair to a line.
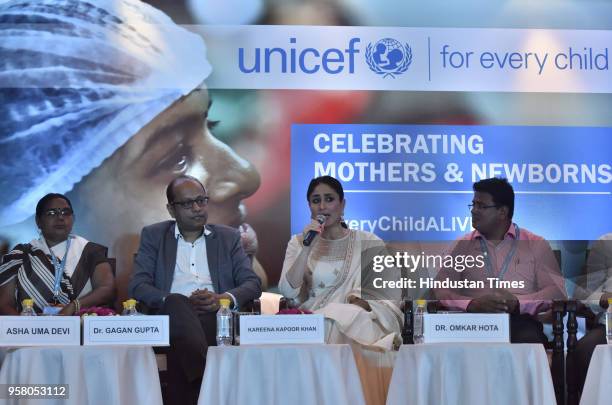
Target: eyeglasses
[480,206]
[187,204]
[58,212]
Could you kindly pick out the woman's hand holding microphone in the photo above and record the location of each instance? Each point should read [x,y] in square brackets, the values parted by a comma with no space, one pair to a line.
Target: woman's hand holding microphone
[315,227]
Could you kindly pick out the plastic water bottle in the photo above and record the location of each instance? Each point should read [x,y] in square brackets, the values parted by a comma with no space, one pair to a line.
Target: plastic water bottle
[129,307]
[124,312]
[609,322]
[224,323]
[28,307]
[418,321]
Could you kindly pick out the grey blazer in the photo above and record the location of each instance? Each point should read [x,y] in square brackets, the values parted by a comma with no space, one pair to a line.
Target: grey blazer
[230,268]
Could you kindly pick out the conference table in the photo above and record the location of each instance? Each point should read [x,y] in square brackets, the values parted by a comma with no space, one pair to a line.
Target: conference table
[471,373]
[304,374]
[599,377]
[94,374]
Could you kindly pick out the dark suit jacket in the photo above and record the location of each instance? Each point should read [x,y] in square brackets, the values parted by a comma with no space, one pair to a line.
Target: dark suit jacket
[230,268]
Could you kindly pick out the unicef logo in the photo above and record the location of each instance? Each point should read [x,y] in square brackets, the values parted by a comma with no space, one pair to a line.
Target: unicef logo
[388,57]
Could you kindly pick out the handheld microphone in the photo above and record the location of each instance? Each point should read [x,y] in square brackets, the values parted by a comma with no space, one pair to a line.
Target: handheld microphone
[312,233]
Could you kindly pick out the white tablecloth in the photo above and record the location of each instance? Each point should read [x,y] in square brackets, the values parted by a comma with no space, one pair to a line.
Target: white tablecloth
[281,374]
[471,373]
[95,375]
[599,378]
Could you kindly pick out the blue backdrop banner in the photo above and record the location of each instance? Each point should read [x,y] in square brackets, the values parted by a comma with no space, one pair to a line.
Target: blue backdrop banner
[414,182]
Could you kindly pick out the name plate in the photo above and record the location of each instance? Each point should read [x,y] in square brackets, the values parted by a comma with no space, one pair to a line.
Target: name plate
[279,329]
[440,328]
[17,331]
[148,330]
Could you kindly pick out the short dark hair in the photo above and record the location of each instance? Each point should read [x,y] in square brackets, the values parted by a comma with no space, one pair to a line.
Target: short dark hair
[42,203]
[330,181]
[501,191]
[170,187]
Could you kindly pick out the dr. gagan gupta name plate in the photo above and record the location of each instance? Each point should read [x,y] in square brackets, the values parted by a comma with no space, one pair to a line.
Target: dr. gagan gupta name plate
[278,329]
[40,331]
[440,328]
[149,330]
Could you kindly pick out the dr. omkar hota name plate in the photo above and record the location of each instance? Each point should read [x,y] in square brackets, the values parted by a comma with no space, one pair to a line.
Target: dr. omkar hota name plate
[462,327]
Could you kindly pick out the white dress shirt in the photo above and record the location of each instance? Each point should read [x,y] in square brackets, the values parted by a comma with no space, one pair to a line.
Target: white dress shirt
[191,271]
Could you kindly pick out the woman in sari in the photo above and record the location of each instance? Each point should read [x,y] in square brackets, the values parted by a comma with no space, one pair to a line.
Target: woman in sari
[59,271]
[328,276]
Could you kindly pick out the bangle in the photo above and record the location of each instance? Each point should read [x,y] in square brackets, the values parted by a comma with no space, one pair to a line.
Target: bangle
[77,305]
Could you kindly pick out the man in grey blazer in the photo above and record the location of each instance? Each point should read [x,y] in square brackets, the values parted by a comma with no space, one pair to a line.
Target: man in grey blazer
[182,269]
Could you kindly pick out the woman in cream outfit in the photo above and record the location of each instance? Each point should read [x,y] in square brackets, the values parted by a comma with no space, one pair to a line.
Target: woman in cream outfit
[331,277]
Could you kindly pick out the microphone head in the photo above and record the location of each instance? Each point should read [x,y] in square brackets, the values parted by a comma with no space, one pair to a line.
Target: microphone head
[321,218]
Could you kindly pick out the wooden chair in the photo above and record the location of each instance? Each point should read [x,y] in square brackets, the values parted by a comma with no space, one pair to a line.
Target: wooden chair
[574,310]
[571,378]
[557,367]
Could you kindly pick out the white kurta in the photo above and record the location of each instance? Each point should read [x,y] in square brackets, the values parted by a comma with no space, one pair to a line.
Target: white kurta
[333,274]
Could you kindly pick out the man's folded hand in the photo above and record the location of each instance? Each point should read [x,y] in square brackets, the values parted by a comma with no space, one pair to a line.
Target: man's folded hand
[204,301]
[489,303]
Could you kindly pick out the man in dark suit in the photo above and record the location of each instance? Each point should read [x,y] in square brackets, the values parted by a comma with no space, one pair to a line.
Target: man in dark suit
[182,269]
